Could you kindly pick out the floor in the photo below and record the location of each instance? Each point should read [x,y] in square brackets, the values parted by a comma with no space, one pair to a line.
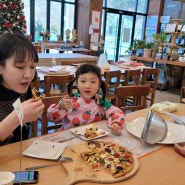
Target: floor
[170,95]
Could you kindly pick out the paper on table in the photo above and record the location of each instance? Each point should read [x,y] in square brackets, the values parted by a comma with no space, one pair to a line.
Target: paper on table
[45,149]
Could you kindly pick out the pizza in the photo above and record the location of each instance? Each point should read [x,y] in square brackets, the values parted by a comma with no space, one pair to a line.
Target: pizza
[37,95]
[115,159]
[93,132]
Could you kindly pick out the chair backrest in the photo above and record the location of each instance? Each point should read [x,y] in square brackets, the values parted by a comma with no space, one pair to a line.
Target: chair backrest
[150,78]
[112,80]
[60,80]
[137,93]
[43,120]
[132,77]
[182,95]
[36,83]
[45,126]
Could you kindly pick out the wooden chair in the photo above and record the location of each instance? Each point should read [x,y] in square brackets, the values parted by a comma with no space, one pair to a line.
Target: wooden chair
[150,78]
[45,124]
[182,95]
[137,93]
[60,80]
[132,77]
[112,80]
[36,83]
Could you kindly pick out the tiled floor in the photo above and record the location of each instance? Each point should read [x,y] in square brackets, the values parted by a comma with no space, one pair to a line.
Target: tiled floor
[170,95]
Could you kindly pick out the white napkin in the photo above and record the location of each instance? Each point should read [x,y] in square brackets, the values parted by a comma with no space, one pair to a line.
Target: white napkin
[103,63]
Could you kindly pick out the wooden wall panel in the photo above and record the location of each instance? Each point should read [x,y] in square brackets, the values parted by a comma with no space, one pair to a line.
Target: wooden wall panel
[84,9]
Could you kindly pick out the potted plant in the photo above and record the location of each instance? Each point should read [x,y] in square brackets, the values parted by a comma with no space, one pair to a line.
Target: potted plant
[136,48]
[148,49]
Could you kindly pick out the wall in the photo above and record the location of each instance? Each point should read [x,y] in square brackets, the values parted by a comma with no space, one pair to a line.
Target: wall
[84,10]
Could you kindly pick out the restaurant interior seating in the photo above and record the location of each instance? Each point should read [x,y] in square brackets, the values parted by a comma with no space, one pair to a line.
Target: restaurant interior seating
[182,95]
[150,78]
[137,93]
[132,77]
[60,80]
[112,80]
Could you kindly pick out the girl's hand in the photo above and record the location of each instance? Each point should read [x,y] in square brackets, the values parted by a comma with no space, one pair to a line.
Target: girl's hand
[32,109]
[116,129]
[66,103]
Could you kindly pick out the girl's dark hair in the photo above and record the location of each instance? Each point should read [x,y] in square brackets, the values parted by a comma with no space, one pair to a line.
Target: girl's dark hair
[18,46]
[85,68]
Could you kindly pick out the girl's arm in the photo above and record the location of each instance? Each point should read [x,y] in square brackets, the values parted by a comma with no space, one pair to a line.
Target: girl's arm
[115,115]
[55,113]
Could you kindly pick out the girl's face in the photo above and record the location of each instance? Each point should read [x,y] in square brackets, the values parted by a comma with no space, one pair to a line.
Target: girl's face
[88,85]
[18,76]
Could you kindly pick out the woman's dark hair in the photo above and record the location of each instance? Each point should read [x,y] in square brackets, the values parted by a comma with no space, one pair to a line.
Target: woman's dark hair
[85,68]
[18,46]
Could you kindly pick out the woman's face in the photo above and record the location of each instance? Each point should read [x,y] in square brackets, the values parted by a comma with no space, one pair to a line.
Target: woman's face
[18,76]
[88,85]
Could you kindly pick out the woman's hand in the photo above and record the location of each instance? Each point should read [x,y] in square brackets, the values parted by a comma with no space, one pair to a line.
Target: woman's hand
[32,109]
[116,129]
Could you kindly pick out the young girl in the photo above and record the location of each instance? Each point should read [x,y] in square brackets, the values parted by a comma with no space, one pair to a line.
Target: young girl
[18,60]
[86,106]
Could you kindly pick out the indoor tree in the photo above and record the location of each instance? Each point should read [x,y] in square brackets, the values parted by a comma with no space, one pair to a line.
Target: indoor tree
[12,18]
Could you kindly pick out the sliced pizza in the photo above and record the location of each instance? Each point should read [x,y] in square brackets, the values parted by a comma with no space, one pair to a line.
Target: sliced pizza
[116,159]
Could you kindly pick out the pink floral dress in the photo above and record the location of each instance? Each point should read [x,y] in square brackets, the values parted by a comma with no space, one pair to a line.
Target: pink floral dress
[85,111]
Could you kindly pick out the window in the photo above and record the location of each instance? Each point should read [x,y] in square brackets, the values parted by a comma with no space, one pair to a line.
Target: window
[52,16]
[40,19]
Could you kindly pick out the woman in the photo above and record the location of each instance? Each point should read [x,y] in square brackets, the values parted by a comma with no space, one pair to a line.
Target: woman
[18,60]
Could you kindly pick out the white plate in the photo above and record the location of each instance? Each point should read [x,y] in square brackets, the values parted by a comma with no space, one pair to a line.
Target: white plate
[45,149]
[176,133]
[81,131]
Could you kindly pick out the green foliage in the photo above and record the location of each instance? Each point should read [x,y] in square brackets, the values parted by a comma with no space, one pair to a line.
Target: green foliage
[139,44]
[149,45]
[12,17]
[159,38]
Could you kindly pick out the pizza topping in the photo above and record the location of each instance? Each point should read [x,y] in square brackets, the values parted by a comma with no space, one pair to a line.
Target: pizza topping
[116,159]
[91,132]
[37,94]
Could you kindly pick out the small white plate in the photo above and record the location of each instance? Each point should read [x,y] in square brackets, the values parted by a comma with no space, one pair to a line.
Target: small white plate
[45,149]
[176,133]
[81,131]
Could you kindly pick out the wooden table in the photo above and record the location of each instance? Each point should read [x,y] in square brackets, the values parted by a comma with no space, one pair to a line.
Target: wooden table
[161,167]
[72,70]
[75,50]
[67,58]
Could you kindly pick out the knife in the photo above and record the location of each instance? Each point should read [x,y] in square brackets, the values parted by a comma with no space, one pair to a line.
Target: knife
[61,159]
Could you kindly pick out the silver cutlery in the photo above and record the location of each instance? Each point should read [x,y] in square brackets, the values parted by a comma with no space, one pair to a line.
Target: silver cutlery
[61,159]
[177,119]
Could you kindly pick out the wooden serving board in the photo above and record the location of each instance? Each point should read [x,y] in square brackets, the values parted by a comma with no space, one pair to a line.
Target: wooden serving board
[79,171]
